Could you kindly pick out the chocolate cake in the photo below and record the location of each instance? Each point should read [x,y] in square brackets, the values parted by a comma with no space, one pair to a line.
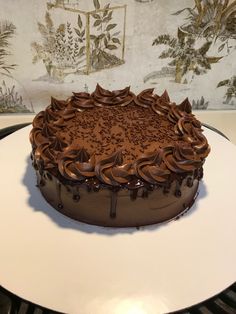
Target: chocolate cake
[113,158]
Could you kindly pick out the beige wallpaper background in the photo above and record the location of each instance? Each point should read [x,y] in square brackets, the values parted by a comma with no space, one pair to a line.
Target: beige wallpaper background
[55,47]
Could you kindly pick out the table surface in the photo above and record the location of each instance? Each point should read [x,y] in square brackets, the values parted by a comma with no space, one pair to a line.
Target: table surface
[65,265]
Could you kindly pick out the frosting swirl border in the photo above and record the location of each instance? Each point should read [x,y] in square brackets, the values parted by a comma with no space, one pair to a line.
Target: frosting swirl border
[158,167]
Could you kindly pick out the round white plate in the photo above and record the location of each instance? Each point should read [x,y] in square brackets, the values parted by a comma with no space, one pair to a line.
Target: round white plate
[72,267]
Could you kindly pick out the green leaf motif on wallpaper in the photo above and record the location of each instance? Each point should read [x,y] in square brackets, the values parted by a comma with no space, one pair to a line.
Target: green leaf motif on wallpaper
[96,4]
[62,47]
[7,30]
[185,57]
[93,44]
[11,101]
[213,20]
[230,94]
[110,26]
[200,104]
[80,23]
[103,40]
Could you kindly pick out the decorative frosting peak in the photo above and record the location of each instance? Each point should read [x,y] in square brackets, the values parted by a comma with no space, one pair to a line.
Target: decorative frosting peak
[69,112]
[175,113]
[57,104]
[165,96]
[162,105]
[185,125]
[76,164]
[103,97]
[48,130]
[200,144]
[181,158]
[50,115]
[57,143]
[151,168]
[112,171]
[146,98]
[39,120]
[45,156]
[82,100]
[83,155]
[185,106]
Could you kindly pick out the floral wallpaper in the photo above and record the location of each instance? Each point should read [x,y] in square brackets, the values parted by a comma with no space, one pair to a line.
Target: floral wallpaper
[53,47]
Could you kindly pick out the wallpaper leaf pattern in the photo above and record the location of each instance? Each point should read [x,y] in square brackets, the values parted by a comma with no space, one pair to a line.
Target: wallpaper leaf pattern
[78,49]
[213,21]
[115,41]
[10,99]
[7,30]
[185,57]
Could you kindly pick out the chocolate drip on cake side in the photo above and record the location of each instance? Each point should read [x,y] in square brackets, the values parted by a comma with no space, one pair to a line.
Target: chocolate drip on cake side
[113,203]
[58,189]
[76,195]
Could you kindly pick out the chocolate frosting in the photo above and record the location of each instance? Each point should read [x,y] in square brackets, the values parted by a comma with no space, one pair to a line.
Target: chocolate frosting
[45,156]
[112,170]
[103,97]
[146,98]
[82,100]
[185,106]
[76,164]
[57,144]
[39,120]
[69,112]
[162,105]
[175,113]
[48,130]
[117,138]
[151,168]
[57,104]
[165,97]
[50,115]
[180,158]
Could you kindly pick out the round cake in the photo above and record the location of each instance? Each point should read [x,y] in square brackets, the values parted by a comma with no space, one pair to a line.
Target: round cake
[113,158]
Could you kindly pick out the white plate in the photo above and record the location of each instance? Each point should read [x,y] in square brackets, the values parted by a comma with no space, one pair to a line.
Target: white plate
[72,267]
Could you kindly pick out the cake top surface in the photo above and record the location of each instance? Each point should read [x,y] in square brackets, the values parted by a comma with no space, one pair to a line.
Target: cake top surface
[132,129]
[116,136]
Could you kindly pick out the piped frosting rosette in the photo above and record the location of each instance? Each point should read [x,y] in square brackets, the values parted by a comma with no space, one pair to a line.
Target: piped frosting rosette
[38,120]
[112,171]
[162,104]
[82,100]
[151,168]
[181,158]
[47,152]
[146,98]
[41,134]
[36,137]
[57,104]
[103,97]
[76,164]
[185,125]
[45,157]
[176,112]
[190,129]
[199,143]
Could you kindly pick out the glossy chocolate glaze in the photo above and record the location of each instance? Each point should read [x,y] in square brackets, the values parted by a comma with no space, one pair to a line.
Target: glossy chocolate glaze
[92,152]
